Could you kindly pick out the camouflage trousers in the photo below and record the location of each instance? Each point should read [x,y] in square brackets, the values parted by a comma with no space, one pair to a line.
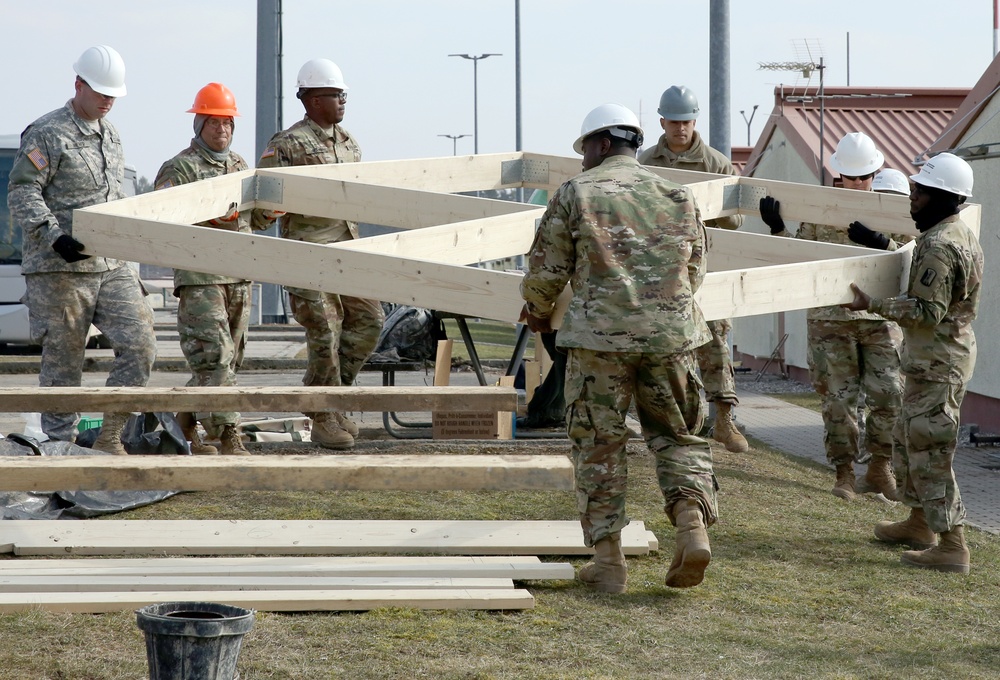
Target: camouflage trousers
[927,435]
[716,364]
[212,321]
[341,333]
[599,389]
[846,357]
[61,308]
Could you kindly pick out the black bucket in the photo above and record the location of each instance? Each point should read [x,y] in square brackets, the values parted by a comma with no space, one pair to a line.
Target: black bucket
[193,640]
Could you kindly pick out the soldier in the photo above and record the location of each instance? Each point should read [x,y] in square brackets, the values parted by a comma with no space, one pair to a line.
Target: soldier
[680,146]
[939,355]
[632,246]
[72,158]
[341,331]
[851,351]
[213,310]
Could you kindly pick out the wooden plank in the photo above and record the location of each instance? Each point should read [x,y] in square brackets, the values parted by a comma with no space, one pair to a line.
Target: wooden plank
[729,250]
[461,290]
[89,583]
[287,473]
[258,399]
[520,568]
[308,537]
[281,601]
[446,173]
[801,286]
[187,203]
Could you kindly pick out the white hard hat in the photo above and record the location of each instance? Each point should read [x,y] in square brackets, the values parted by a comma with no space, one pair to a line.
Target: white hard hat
[103,69]
[678,103]
[856,156]
[891,181]
[320,73]
[947,172]
[616,119]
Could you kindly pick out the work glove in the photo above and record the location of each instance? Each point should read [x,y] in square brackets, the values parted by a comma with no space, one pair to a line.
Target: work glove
[230,221]
[869,238]
[770,212]
[69,248]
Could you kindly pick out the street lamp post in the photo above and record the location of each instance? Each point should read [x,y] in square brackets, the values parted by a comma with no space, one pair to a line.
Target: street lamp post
[475,92]
[748,122]
[454,142]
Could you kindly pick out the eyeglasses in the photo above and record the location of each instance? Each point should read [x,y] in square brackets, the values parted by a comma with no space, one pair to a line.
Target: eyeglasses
[342,96]
[217,122]
[858,178]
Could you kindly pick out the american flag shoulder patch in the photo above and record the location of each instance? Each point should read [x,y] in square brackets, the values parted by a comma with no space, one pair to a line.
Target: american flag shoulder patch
[165,184]
[38,159]
[268,152]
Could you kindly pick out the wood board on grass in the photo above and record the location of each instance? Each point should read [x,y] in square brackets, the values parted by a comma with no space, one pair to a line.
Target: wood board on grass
[308,537]
[278,601]
[400,472]
[87,583]
[516,567]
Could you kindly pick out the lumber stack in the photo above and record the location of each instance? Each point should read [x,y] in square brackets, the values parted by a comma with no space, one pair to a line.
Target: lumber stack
[469,564]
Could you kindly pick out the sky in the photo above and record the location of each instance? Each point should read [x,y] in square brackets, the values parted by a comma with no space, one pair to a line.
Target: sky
[405,92]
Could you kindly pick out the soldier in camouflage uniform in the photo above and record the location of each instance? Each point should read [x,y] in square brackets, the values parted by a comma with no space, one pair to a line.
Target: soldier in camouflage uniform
[632,246]
[852,351]
[680,146]
[341,331]
[72,158]
[939,355]
[213,311]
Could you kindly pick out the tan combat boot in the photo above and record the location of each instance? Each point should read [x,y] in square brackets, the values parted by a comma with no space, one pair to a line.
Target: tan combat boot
[912,531]
[346,423]
[110,438]
[328,433]
[692,552]
[232,443]
[725,431]
[844,486]
[950,554]
[607,572]
[878,478]
[189,426]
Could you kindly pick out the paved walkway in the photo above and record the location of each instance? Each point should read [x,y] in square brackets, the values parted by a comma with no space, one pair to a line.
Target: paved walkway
[799,431]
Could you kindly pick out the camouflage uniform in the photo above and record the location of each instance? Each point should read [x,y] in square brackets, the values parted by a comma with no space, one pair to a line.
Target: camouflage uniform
[939,355]
[341,331]
[714,359]
[65,163]
[632,246]
[850,351]
[213,311]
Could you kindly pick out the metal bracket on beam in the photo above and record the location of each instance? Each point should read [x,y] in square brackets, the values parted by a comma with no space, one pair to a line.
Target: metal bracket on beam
[748,198]
[258,188]
[524,171]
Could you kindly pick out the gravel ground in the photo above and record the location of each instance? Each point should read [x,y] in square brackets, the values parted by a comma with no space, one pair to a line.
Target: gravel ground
[770,384]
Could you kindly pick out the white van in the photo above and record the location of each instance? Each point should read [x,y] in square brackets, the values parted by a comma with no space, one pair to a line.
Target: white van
[14,329]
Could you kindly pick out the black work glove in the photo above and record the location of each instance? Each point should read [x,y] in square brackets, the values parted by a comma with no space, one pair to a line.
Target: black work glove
[869,238]
[69,248]
[770,213]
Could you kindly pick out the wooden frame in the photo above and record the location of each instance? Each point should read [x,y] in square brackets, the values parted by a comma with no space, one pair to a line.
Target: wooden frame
[427,266]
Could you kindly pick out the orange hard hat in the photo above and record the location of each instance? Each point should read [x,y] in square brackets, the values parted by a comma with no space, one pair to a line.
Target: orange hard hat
[215,99]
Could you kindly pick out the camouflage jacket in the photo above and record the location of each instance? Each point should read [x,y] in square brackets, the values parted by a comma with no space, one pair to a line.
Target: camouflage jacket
[63,164]
[942,299]
[699,157]
[306,143]
[191,165]
[632,246]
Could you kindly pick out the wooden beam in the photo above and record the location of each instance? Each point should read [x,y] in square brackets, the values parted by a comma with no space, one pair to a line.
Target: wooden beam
[88,583]
[281,601]
[729,250]
[520,568]
[287,473]
[257,399]
[309,537]
[388,206]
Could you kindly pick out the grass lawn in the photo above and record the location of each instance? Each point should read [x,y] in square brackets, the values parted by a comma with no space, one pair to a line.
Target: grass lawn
[797,588]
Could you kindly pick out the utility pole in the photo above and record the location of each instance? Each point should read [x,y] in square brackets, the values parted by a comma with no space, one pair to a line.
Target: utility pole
[475,93]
